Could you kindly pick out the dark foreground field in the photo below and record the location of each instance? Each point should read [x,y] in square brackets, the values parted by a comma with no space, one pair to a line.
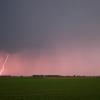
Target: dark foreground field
[49,88]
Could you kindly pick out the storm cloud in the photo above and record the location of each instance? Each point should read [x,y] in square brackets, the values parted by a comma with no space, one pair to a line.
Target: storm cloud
[51,29]
[36,24]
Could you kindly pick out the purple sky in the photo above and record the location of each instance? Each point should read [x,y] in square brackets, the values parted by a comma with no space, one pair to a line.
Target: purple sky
[50,37]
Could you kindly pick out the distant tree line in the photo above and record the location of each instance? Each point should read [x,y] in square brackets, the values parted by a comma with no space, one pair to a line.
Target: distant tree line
[47,76]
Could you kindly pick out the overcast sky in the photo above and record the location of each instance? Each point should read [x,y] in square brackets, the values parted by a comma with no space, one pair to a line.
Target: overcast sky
[53,36]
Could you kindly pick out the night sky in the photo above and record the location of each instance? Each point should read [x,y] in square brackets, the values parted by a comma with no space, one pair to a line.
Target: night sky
[50,37]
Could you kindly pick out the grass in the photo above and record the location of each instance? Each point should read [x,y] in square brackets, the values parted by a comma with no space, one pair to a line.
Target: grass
[49,88]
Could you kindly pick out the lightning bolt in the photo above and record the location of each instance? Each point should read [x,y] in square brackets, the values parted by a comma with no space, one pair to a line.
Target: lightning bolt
[3,66]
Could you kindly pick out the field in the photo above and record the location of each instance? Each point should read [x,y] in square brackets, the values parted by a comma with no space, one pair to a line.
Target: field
[50,88]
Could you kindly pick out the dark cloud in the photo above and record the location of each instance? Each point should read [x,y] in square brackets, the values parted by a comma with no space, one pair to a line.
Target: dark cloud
[39,24]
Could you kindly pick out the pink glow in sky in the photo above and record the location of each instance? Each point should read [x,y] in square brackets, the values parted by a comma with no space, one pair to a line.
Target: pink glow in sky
[61,63]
